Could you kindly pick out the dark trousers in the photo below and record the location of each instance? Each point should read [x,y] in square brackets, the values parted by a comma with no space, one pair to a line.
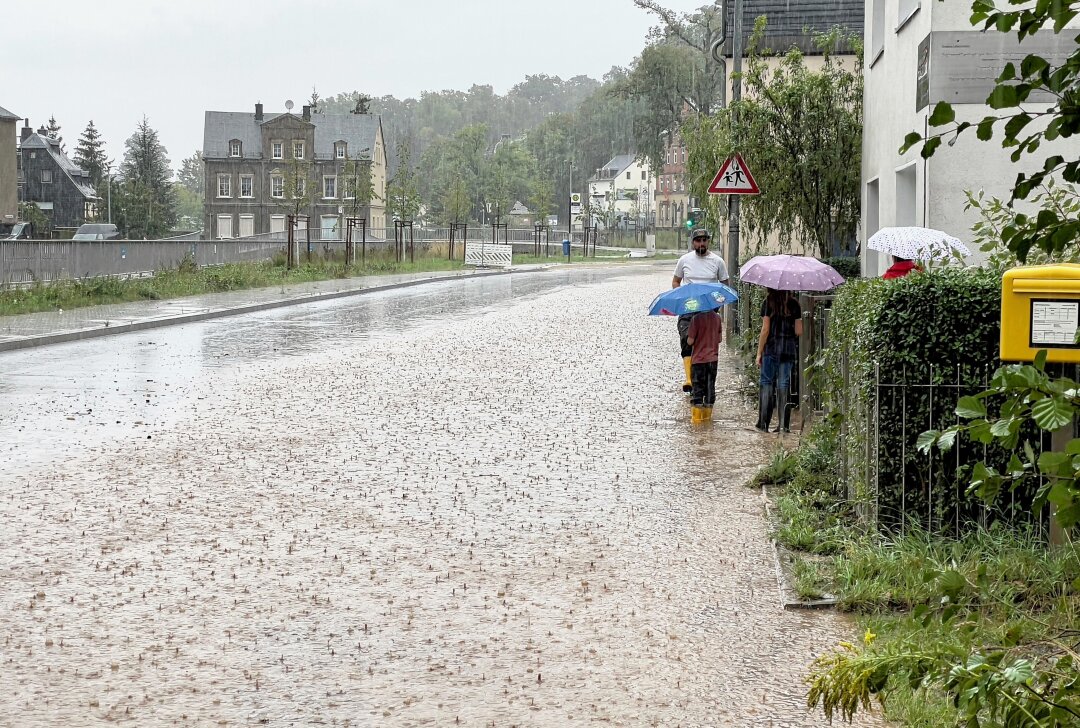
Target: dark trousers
[684,329]
[703,379]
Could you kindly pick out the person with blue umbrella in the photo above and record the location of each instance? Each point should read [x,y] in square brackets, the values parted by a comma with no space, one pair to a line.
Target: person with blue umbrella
[698,302]
[700,265]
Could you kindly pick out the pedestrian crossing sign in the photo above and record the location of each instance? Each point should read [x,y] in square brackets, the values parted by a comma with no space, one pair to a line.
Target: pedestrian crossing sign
[734,179]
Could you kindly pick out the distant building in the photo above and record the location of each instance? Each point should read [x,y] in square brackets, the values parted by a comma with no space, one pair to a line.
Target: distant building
[57,186]
[672,195]
[250,160]
[621,193]
[917,54]
[9,188]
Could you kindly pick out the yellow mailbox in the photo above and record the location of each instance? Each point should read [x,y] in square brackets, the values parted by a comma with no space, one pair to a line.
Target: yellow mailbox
[1040,309]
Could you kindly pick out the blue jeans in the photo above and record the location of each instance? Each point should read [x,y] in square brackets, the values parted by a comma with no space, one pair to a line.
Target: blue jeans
[776,373]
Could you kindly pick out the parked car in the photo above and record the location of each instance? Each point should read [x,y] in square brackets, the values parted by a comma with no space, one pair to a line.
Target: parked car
[96,231]
[17,231]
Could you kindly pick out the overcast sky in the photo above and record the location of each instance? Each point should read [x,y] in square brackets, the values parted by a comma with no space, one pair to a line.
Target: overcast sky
[114,60]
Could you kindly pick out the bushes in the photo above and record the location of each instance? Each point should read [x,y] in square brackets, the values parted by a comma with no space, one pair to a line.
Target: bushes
[849,267]
[900,355]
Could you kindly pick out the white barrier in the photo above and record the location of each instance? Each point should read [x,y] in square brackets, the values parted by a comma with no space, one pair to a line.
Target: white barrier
[489,254]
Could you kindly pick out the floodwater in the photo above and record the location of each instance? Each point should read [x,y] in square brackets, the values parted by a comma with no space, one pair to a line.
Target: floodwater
[474,503]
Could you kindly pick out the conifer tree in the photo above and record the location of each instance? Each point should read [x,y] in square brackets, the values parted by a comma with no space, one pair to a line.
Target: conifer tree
[90,153]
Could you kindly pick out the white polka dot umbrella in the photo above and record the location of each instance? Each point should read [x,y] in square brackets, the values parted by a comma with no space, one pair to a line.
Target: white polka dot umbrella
[916,243]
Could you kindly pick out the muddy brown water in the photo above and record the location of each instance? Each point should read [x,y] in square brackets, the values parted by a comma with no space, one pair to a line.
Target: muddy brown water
[465,504]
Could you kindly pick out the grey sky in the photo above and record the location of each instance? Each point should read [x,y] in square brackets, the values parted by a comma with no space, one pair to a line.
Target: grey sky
[114,60]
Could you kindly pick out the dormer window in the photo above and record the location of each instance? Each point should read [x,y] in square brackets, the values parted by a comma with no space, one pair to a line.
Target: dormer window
[339,150]
[235,148]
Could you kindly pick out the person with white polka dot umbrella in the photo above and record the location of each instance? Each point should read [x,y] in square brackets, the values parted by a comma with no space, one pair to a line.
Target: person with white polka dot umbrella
[916,243]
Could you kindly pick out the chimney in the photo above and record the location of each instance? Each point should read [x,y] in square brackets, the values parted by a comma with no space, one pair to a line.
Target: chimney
[307,113]
[258,112]
[26,131]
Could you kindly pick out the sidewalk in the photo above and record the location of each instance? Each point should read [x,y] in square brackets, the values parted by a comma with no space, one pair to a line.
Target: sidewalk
[53,327]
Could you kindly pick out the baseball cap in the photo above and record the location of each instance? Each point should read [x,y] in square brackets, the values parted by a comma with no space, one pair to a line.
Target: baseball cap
[701,233]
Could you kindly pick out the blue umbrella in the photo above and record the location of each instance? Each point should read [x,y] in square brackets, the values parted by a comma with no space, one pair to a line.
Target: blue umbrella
[692,298]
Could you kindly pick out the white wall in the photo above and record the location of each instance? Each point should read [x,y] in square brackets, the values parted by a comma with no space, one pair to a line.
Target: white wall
[941,181]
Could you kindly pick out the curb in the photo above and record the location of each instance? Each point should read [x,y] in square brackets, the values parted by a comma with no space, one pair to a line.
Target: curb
[107,330]
[788,600]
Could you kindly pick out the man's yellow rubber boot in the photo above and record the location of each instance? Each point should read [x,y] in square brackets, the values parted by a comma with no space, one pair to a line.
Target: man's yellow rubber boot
[687,386]
[708,414]
[697,415]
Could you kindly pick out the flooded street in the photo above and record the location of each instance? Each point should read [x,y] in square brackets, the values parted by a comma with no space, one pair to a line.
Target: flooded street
[476,503]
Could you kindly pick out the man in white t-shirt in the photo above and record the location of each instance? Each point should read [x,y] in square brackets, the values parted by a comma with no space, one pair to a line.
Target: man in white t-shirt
[698,266]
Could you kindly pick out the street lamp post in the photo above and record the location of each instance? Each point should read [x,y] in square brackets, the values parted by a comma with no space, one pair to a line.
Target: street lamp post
[108,171]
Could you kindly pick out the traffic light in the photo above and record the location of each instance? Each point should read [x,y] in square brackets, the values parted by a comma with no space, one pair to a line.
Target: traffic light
[693,219]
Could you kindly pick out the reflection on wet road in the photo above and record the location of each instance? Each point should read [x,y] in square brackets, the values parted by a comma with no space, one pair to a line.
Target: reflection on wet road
[474,501]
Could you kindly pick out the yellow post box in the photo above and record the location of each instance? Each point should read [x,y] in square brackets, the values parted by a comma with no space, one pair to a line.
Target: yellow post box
[1040,309]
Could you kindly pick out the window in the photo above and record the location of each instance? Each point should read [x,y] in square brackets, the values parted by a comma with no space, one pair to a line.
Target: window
[224,185]
[873,224]
[330,227]
[301,187]
[329,186]
[276,150]
[247,226]
[339,151]
[234,149]
[627,175]
[905,11]
[644,175]
[906,199]
[277,186]
[348,188]
[247,184]
[277,223]
[298,150]
[224,226]
[46,176]
[877,31]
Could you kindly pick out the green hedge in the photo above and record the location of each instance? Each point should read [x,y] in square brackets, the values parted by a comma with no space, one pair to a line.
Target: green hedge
[849,268]
[939,327]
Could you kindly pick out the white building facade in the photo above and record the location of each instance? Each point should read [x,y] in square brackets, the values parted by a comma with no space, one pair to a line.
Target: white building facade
[622,193]
[920,52]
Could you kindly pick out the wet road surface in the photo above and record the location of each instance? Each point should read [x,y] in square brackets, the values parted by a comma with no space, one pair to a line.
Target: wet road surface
[474,503]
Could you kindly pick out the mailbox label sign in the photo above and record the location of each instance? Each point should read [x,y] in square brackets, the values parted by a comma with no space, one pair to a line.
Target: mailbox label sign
[1054,323]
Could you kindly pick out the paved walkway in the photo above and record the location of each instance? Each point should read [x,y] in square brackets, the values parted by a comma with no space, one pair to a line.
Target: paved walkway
[52,327]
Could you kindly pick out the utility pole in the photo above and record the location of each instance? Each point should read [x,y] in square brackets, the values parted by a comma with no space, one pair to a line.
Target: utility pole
[736,95]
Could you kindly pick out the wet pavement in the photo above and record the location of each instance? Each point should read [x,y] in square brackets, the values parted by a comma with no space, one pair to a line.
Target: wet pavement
[472,502]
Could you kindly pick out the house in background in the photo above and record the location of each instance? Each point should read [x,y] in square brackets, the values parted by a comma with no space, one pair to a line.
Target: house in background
[918,53]
[9,192]
[57,186]
[672,194]
[621,193]
[261,167]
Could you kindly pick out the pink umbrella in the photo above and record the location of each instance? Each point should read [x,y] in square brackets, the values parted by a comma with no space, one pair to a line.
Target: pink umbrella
[790,273]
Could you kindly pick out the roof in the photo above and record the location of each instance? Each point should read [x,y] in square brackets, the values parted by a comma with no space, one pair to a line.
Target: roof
[789,21]
[615,166]
[78,176]
[358,130]
[5,114]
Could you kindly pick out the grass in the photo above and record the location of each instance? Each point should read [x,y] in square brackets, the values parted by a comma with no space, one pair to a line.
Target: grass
[187,280]
[1009,588]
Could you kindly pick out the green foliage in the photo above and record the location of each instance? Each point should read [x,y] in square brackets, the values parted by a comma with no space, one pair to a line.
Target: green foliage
[31,213]
[987,621]
[144,203]
[90,154]
[996,216]
[800,133]
[1051,231]
[939,327]
[402,196]
[850,267]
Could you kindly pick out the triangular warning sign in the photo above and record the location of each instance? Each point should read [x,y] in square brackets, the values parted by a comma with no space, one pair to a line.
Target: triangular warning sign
[734,179]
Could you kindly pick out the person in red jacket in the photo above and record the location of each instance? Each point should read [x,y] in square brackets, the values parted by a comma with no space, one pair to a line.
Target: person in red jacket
[900,267]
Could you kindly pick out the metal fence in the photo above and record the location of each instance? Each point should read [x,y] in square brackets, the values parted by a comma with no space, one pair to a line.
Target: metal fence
[28,261]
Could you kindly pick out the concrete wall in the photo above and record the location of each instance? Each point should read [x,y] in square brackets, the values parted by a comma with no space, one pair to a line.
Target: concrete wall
[9,201]
[907,189]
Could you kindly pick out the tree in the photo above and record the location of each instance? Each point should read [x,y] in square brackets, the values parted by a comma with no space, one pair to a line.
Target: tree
[146,197]
[192,174]
[356,185]
[53,131]
[456,204]
[401,191]
[313,102]
[800,131]
[190,185]
[541,200]
[90,154]
[363,103]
